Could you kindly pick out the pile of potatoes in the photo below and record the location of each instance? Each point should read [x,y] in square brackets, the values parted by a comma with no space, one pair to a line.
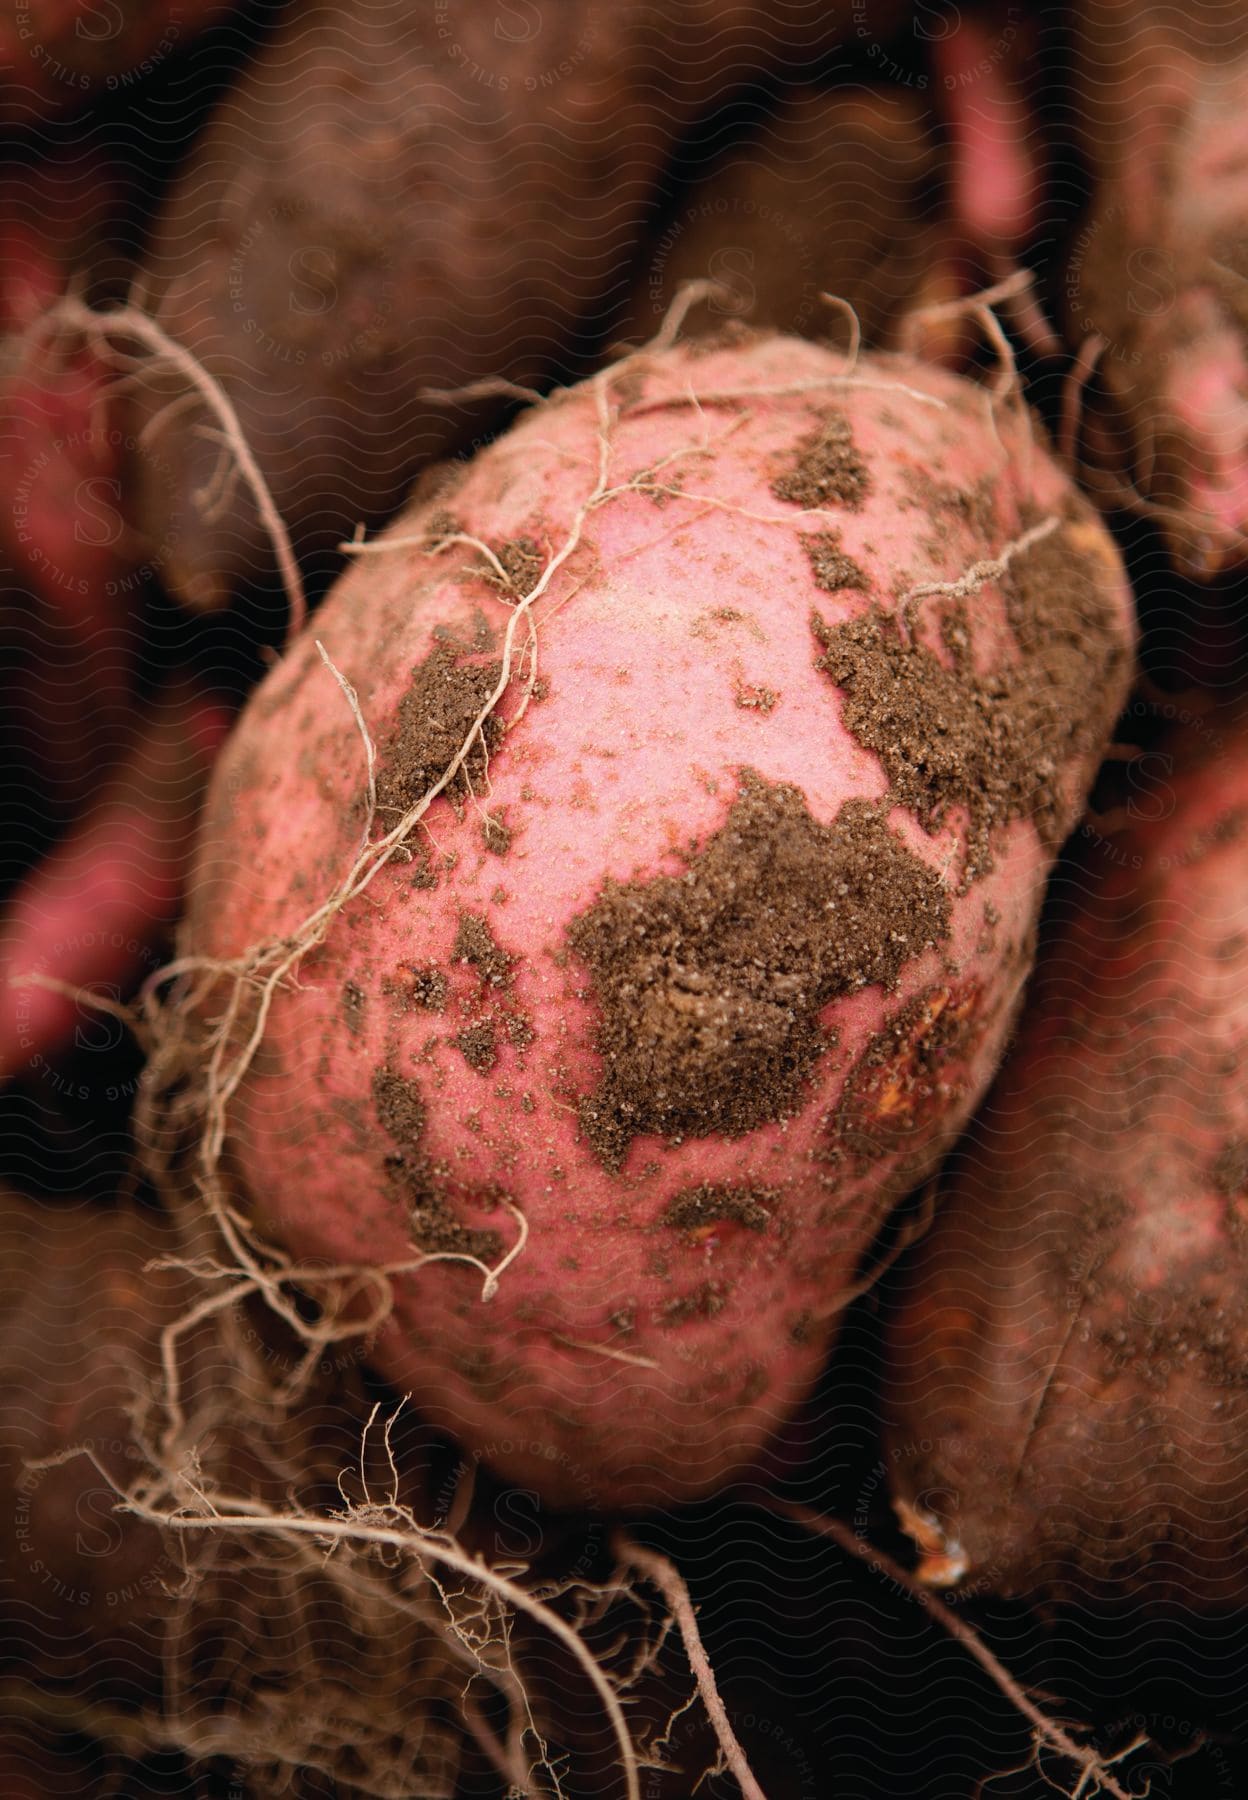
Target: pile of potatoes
[629,821]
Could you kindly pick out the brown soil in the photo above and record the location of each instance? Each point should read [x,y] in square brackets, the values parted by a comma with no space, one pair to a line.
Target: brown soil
[826,466]
[475,944]
[435,715]
[521,562]
[707,1205]
[832,569]
[994,743]
[428,988]
[709,999]
[434,1227]
[478,1045]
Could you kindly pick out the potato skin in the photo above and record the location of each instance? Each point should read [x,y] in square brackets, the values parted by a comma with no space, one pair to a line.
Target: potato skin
[397,198]
[1067,1400]
[1156,270]
[634,1013]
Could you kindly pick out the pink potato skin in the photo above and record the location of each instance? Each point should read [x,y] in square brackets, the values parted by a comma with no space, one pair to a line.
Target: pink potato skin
[622,1356]
[1066,1402]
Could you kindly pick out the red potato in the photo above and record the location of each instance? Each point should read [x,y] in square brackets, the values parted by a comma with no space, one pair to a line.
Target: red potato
[58,55]
[1157,272]
[979,66]
[78,570]
[83,1590]
[715,942]
[833,194]
[86,915]
[58,206]
[1068,1400]
[400,198]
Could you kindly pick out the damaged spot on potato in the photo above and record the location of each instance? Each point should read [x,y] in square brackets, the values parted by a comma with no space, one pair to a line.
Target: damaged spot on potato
[908,1082]
[825,466]
[833,570]
[699,1210]
[433,1225]
[710,1001]
[993,743]
[436,713]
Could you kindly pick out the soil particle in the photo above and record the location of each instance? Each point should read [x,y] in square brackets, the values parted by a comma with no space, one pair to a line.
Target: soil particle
[832,569]
[826,466]
[704,1302]
[435,716]
[995,743]
[1230,1169]
[699,1207]
[521,562]
[975,506]
[475,944]
[434,1227]
[425,876]
[442,525]
[353,1003]
[496,834]
[755,698]
[428,988]
[478,1045]
[710,983]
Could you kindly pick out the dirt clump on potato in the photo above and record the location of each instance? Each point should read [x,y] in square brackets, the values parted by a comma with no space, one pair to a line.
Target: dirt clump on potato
[826,466]
[476,945]
[447,694]
[710,1001]
[993,742]
[699,1208]
[831,567]
[434,1227]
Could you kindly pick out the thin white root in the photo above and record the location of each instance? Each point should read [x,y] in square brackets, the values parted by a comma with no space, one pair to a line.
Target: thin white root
[1081,371]
[1094,1770]
[991,568]
[235,1513]
[130,322]
[493,389]
[666,1577]
[83,996]
[855,327]
[689,295]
